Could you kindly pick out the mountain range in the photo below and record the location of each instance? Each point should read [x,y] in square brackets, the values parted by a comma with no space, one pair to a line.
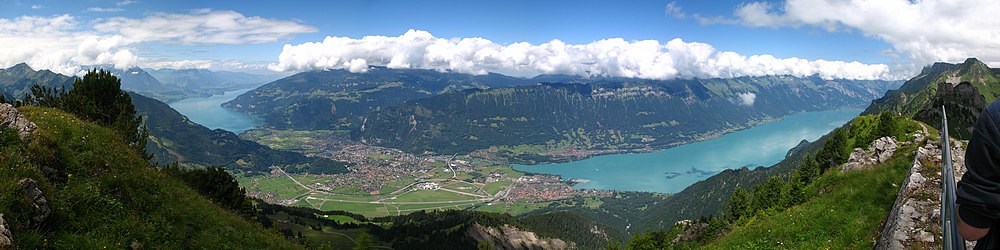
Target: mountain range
[964,89]
[427,111]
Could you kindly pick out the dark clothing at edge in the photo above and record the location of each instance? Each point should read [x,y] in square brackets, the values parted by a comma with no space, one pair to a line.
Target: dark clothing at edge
[978,193]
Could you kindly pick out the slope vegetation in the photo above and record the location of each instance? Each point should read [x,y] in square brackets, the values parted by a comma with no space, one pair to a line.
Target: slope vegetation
[103,194]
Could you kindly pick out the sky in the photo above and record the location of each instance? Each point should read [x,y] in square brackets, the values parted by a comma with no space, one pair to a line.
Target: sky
[885,39]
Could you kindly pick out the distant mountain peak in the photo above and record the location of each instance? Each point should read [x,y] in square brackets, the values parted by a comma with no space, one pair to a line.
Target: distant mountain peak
[973,61]
[21,67]
[973,64]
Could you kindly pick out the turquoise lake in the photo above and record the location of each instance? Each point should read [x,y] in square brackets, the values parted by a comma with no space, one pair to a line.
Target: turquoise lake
[673,169]
[208,112]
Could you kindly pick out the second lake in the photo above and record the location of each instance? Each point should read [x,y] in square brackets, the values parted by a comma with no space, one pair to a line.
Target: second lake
[208,112]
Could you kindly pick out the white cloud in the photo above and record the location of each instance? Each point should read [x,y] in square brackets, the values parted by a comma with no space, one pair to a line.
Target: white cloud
[36,6]
[204,27]
[62,43]
[649,59]
[926,31]
[99,9]
[125,2]
[746,99]
[56,43]
[179,64]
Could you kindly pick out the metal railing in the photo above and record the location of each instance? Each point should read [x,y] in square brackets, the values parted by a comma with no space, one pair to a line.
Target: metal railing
[949,223]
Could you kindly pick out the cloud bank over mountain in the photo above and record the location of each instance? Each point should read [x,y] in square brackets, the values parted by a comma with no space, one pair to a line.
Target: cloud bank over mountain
[649,59]
[922,32]
[62,43]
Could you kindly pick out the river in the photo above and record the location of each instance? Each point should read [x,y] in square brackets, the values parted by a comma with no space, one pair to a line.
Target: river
[208,112]
[673,169]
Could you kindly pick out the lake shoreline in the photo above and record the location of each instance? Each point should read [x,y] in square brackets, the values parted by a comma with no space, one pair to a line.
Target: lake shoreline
[697,170]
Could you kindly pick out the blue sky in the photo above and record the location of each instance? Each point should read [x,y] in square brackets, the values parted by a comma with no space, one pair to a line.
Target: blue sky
[784,30]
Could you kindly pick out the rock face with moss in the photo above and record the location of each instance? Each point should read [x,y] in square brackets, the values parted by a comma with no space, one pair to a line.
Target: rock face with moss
[10,118]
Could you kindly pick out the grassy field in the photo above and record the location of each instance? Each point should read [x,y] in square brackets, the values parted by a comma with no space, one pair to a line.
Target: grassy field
[368,210]
[283,187]
[842,225]
[291,140]
[417,207]
[431,195]
[514,209]
[380,157]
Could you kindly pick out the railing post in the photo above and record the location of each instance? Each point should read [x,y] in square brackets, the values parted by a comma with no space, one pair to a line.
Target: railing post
[952,240]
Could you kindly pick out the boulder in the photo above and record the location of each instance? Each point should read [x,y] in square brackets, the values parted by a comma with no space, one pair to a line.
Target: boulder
[883,148]
[10,118]
[6,239]
[39,205]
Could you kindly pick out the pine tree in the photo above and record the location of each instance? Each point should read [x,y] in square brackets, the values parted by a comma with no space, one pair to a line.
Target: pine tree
[364,242]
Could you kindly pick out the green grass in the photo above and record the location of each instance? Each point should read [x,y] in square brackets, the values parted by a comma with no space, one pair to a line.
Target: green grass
[494,187]
[431,195]
[105,195]
[344,197]
[515,209]
[846,213]
[380,157]
[283,187]
[291,140]
[409,208]
[366,209]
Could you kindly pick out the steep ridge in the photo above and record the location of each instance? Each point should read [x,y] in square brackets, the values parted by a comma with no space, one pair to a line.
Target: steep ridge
[74,184]
[971,85]
[16,81]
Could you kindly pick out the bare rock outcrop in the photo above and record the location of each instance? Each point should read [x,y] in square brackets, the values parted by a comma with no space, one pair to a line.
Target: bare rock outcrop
[692,230]
[914,221]
[6,239]
[509,237]
[39,205]
[879,151]
[10,118]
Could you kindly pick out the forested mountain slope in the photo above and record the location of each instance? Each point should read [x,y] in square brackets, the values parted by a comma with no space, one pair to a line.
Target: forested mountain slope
[603,114]
[336,99]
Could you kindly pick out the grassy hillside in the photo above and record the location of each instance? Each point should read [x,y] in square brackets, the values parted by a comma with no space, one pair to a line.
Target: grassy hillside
[845,213]
[103,194]
[814,205]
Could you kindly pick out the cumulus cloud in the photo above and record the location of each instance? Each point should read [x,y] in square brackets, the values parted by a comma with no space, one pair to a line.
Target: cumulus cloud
[36,6]
[204,27]
[925,31]
[55,43]
[62,43]
[746,99]
[648,59]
